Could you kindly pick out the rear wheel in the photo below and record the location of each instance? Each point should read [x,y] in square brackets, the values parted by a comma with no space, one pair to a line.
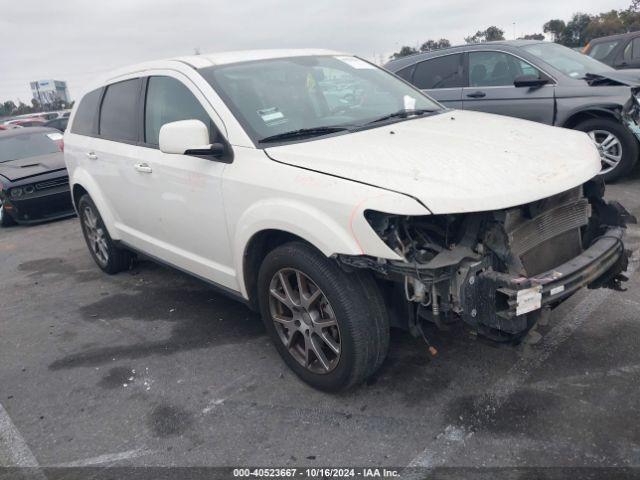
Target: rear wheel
[109,258]
[6,220]
[617,146]
[329,326]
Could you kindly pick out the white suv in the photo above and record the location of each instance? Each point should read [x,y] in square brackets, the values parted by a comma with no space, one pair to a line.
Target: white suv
[338,201]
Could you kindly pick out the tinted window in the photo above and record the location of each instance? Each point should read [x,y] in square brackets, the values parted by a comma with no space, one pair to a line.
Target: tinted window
[25,146]
[601,50]
[406,73]
[168,100]
[490,69]
[84,123]
[441,72]
[632,50]
[118,115]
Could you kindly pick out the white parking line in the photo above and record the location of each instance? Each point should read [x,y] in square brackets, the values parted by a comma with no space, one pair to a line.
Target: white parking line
[14,451]
[106,458]
[452,439]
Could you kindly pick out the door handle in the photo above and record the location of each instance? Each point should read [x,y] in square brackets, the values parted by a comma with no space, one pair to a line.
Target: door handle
[143,168]
[92,156]
[477,94]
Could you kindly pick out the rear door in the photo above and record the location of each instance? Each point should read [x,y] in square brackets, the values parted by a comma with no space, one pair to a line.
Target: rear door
[116,145]
[491,88]
[441,78]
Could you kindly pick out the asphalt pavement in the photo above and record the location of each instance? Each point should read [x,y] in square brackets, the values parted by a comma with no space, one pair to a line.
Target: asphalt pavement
[153,368]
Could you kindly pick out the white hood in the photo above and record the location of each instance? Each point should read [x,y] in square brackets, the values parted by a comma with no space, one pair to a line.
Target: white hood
[457,161]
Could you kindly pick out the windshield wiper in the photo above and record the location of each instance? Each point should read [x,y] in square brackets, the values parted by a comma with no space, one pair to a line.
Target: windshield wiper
[594,79]
[401,114]
[303,132]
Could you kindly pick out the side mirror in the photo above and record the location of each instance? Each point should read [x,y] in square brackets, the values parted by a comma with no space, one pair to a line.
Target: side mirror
[529,81]
[188,137]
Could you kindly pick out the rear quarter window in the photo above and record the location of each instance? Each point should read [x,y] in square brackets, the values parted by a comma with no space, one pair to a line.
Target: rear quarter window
[118,114]
[85,120]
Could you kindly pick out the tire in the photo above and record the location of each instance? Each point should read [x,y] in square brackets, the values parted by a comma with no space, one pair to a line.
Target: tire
[107,256]
[349,303]
[599,129]
[6,220]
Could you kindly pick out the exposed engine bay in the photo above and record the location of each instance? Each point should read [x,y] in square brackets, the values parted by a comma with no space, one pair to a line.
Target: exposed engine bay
[498,270]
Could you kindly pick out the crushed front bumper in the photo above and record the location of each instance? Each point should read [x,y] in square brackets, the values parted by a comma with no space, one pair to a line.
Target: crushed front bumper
[500,302]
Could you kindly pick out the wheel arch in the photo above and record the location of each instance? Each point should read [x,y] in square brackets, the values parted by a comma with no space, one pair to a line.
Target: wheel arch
[610,111]
[81,184]
[258,247]
[259,230]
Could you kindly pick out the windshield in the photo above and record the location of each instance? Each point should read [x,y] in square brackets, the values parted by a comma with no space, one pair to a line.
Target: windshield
[601,50]
[277,96]
[25,146]
[569,62]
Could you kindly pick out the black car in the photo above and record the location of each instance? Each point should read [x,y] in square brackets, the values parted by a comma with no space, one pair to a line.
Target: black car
[34,185]
[58,123]
[618,51]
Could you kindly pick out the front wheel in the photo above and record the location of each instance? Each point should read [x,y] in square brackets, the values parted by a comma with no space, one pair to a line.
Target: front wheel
[107,256]
[617,146]
[329,326]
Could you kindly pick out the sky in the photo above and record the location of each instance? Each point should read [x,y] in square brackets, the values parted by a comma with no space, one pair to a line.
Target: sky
[74,40]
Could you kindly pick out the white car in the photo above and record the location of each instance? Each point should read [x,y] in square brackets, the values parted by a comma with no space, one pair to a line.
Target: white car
[338,220]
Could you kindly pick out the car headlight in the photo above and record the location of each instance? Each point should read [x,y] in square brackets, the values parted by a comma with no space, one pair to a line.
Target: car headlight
[16,192]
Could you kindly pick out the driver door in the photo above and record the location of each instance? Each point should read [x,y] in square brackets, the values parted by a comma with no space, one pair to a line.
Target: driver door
[181,195]
[491,88]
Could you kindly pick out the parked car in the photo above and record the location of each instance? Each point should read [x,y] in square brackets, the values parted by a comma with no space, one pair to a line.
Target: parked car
[34,185]
[540,81]
[58,123]
[336,223]
[618,51]
[29,122]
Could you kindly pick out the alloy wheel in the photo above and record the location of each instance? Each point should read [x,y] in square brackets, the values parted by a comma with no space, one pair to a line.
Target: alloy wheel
[96,237]
[609,148]
[304,320]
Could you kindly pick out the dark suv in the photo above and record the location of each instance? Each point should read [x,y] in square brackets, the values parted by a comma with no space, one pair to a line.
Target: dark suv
[539,81]
[618,51]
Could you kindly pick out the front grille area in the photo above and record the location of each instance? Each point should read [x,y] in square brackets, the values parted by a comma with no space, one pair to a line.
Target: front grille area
[545,234]
[549,224]
[56,182]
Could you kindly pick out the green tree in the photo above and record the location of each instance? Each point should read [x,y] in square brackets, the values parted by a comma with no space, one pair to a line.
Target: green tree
[8,108]
[575,34]
[532,36]
[554,27]
[430,45]
[491,34]
[404,51]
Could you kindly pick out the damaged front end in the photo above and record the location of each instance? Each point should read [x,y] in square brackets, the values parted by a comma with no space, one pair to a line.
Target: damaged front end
[498,270]
[631,112]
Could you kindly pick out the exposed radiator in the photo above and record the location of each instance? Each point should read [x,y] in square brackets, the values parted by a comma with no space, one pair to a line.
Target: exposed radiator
[549,224]
[546,233]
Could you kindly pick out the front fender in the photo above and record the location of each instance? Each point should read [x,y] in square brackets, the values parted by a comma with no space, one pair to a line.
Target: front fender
[345,231]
